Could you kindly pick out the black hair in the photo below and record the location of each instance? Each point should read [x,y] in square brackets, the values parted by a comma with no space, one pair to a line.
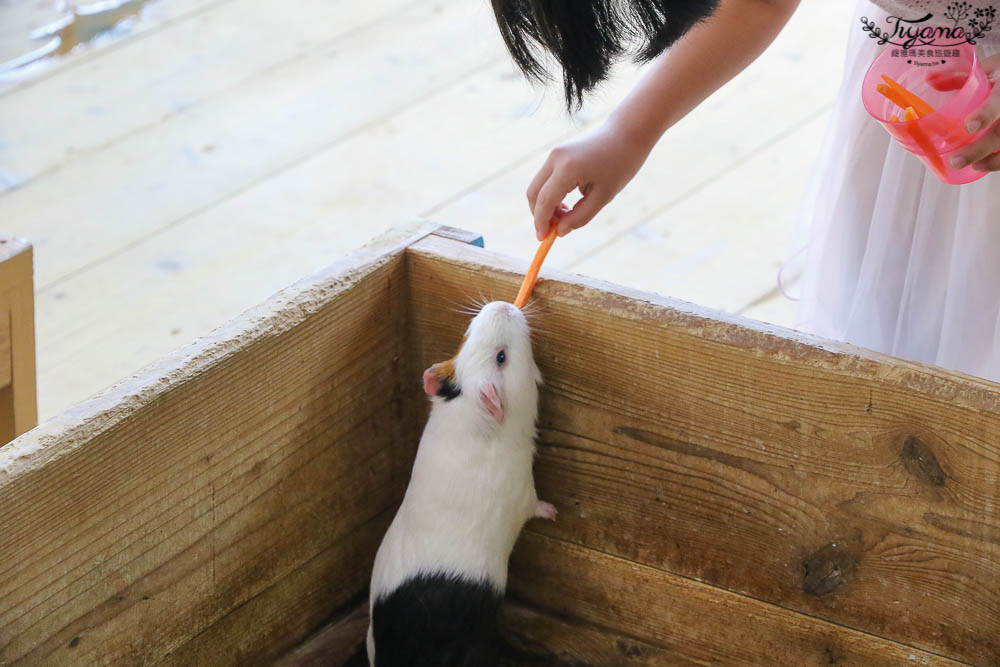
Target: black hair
[586,37]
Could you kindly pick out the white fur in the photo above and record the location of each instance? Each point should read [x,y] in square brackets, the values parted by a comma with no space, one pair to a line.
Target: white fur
[471,489]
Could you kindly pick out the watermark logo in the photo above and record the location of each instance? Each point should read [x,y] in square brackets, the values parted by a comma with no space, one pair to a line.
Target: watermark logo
[961,23]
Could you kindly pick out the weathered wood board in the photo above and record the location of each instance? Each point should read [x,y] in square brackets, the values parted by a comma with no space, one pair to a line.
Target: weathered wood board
[729,492]
[219,506]
[814,476]
[18,404]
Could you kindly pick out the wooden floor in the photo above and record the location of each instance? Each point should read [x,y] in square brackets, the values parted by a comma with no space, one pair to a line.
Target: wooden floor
[181,174]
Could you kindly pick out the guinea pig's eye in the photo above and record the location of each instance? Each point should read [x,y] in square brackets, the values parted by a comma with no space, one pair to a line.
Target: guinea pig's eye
[501,357]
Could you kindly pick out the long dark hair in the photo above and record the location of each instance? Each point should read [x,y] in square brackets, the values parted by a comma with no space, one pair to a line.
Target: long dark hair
[586,37]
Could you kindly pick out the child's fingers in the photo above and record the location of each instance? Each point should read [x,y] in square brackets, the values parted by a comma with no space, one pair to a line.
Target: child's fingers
[985,115]
[979,149]
[584,211]
[991,163]
[549,199]
[537,182]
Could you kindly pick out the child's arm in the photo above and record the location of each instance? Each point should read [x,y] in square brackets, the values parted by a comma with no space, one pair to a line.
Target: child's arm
[603,162]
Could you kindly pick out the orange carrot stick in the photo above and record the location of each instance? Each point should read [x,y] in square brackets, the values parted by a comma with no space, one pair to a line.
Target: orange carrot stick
[892,95]
[531,277]
[920,137]
[920,106]
[893,118]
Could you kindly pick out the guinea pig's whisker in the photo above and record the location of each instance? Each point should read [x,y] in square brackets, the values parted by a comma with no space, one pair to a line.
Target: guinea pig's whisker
[465,308]
[533,311]
[532,308]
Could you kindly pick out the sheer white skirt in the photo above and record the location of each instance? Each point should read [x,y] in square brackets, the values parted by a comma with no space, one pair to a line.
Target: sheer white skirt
[891,258]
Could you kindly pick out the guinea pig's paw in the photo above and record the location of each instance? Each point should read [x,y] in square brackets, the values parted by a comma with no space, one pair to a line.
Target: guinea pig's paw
[544,510]
[490,400]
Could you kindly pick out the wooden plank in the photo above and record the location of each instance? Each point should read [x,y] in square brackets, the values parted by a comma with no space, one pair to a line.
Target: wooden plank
[21,302]
[17,21]
[574,643]
[174,70]
[18,407]
[272,623]
[155,18]
[259,242]
[5,359]
[333,645]
[811,474]
[670,620]
[225,472]
[16,259]
[8,425]
[175,170]
[531,637]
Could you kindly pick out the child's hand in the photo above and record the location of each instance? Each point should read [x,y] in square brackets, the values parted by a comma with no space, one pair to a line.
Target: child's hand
[599,164]
[982,153]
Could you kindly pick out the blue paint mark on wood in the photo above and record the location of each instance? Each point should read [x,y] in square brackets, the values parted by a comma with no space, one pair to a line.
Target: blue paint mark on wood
[171,265]
[9,180]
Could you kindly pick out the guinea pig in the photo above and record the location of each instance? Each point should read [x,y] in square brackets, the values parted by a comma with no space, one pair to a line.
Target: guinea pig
[441,570]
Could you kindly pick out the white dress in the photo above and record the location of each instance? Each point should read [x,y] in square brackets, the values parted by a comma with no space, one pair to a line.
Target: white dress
[891,258]
[913,8]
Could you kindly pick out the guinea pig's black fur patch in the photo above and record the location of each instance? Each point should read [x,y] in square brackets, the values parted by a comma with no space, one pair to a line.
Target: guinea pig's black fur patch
[437,620]
[449,389]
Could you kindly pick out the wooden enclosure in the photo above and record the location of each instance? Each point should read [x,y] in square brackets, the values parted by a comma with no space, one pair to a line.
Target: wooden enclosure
[729,492]
[18,403]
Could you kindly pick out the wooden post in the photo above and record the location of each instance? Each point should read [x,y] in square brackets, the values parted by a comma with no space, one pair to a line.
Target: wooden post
[18,401]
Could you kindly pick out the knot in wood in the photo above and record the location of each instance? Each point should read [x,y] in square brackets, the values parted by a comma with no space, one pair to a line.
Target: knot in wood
[828,569]
[921,462]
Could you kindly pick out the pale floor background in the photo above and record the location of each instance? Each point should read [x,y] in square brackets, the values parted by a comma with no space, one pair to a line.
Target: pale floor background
[221,149]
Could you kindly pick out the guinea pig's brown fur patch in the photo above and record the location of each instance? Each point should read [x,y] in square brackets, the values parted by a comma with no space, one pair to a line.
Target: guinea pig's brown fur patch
[444,372]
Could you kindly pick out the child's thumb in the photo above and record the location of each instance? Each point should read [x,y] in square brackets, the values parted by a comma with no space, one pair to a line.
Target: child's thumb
[582,213]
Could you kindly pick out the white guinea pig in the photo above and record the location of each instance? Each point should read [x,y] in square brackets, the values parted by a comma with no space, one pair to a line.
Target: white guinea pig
[441,570]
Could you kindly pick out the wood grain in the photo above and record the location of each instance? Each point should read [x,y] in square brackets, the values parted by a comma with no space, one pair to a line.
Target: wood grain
[18,403]
[813,475]
[6,363]
[271,624]
[670,620]
[167,172]
[21,305]
[174,70]
[531,637]
[571,642]
[165,15]
[205,500]
[254,244]
[332,646]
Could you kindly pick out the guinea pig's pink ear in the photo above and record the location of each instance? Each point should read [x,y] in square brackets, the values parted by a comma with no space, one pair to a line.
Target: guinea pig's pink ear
[432,385]
[439,380]
[490,400]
